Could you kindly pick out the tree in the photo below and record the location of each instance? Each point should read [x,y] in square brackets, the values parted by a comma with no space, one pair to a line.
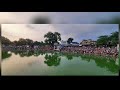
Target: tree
[5,40]
[36,43]
[15,43]
[103,40]
[52,38]
[70,40]
[57,36]
[114,38]
[22,41]
[29,41]
[111,40]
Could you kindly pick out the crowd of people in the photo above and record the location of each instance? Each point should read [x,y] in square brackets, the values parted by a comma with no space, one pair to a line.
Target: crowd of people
[102,51]
[26,47]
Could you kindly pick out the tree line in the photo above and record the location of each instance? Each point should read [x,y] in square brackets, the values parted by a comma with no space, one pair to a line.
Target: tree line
[51,38]
[109,40]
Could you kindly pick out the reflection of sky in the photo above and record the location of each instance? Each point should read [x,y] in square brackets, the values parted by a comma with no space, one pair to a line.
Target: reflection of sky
[57,17]
[35,66]
[24,65]
[76,31]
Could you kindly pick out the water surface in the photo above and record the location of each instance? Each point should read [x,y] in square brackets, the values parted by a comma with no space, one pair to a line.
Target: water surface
[55,63]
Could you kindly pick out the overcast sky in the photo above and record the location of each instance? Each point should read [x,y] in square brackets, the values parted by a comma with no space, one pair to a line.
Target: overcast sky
[57,17]
[77,31]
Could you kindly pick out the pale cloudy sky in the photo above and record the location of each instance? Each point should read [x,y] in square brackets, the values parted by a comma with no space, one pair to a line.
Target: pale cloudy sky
[57,17]
[76,31]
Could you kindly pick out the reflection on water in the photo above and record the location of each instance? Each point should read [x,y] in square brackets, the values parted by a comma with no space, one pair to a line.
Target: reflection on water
[52,60]
[5,55]
[55,63]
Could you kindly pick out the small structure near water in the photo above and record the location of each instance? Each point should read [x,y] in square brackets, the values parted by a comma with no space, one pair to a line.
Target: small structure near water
[88,42]
[58,46]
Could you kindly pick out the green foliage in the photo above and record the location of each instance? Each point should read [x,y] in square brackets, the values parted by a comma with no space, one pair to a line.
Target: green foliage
[112,40]
[5,41]
[52,38]
[52,60]
[22,41]
[5,55]
[70,40]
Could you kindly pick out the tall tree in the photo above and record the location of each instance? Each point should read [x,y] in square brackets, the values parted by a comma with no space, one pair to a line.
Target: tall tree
[103,40]
[52,38]
[22,41]
[111,40]
[70,40]
[114,38]
[5,40]
[29,41]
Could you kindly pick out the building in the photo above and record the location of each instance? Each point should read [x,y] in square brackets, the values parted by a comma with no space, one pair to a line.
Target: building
[61,44]
[88,42]
[74,44]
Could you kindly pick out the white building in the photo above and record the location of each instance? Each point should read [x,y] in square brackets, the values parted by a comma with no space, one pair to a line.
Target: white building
[63,43]
[60,44]
[74,44]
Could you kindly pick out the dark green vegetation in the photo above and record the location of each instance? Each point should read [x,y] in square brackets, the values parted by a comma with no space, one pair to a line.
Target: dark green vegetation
[70,40]
[51,38]
[111,40]
[5,55]
[52,60]
[5,41]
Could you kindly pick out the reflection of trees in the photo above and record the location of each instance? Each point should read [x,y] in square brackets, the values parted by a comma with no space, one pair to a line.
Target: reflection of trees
[28,53]
[25,53]
[52,60]
[103,62]
[5,55]
[84,57]
[69,56]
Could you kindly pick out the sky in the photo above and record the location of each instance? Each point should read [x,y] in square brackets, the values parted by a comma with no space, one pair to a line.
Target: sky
[56,17]
[36,32]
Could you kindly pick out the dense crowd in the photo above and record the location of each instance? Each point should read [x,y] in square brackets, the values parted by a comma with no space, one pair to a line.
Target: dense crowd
[102,51]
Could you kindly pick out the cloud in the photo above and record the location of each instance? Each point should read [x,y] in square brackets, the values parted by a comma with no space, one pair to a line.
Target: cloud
[16,31]
[85,31]
[76,31]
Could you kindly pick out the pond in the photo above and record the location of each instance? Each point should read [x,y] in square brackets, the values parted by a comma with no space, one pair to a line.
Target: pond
[56,64]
